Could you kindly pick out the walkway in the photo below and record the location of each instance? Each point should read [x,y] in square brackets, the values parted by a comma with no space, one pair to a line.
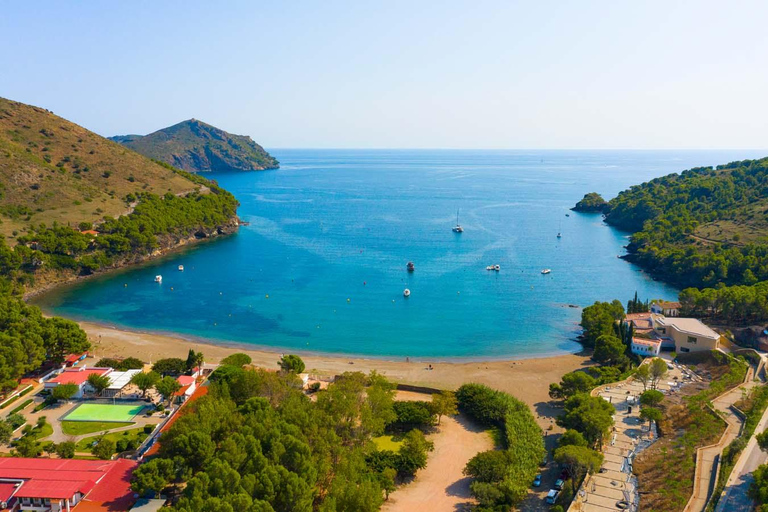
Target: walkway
[614,488]
[707,457]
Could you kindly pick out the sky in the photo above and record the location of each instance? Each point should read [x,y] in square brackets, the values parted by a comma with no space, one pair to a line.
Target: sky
[401,74]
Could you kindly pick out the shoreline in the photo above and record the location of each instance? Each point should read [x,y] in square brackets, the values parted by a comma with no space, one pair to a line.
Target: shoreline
[528,379]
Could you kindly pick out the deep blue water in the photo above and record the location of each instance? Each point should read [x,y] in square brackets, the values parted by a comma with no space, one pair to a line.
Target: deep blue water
[321,267]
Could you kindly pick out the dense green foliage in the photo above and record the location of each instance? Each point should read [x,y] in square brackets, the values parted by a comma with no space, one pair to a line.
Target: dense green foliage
[758,491]
[170,366]
[599,319]
[735,304]
[197,146]
[237,359]
[701,227]
[502,480]
[257,443]
[291,363]
[129,363]
[413,414]
[591,203]
[589,415]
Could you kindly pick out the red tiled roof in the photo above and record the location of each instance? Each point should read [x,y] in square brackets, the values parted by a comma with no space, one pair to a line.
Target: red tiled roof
[77,376]
[51,489]
[6,490]
[73,358]
[643,341]
[185,380]
[113,492]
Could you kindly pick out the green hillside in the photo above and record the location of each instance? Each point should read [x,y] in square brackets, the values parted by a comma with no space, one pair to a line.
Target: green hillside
[196,146]
[72,202]
[699,228]
[54,170]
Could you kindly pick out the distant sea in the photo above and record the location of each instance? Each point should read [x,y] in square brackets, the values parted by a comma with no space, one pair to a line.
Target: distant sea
[322,265]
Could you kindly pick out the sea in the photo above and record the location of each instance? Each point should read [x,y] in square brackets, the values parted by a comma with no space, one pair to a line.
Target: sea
[320,266]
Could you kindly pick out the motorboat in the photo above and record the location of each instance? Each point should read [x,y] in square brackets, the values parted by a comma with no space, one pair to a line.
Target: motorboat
[496,268]
[406,293]
[489,267]
[158,279]
[546,271]
[457,228]
[410,266]
[181,268]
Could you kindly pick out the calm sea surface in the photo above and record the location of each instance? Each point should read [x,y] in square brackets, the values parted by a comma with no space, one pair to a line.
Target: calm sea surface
[321,267]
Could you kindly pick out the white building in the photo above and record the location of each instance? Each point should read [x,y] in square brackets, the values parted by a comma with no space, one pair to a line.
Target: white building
[646,347]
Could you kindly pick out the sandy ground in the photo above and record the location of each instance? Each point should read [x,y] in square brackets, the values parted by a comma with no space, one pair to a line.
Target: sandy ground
[441,485]
[527,379]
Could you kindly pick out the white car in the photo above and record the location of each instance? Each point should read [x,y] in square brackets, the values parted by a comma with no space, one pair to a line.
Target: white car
[552,496]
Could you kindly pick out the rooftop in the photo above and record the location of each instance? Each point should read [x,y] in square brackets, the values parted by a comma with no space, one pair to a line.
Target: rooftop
[692,326]
[78,375]
[646,342]
[668,305]
[118,380]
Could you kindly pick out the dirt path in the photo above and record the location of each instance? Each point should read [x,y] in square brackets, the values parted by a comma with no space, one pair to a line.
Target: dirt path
[441,486]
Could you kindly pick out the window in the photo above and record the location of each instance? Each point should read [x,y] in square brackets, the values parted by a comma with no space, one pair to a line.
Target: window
[662,330]
[684,349]
[692,339]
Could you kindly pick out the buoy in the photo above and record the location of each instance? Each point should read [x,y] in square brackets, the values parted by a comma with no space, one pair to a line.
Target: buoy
[266,296]
[171,288]
[347,300]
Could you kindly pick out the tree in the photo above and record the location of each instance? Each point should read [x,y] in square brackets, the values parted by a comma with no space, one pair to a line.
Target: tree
[6,431]
[291,363]
[758,491]
[387,481]
[104,448]
[643,375]
[413,452]
[98,382]
[658,371]
[167,386]
[651,414]
[412,414]
[151,478]
[489,466]
[578,459]
[194,360]
[651,398]
[170,366]
[599,319]
[444,403]
[572,438]
[65,391]
[237,359]
[571,384]
[592,416]
[762,440]
[145,381]
[609,350]
[65,450]
[27,447]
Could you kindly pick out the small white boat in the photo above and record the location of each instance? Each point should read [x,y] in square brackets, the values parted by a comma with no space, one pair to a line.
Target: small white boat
[496,268]
[181,268]
[158,279]
[489,267]
[546,271]
[457,228]
[559,235]
[406,293]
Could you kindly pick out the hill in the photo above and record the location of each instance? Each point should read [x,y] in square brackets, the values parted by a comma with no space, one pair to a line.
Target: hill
[699,228]
[54,170]
[73,203]
[196,146]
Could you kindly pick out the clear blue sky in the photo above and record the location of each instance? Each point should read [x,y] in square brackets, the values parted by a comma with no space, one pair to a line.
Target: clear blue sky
[442,74]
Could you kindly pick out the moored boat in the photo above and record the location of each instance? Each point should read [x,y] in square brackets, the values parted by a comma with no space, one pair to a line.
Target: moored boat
[410,266]
[158,279]
[546,271]
[406,293]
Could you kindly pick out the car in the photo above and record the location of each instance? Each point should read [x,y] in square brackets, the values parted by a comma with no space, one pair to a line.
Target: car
[552,496]
[559,484]
[545,460]
[537,480]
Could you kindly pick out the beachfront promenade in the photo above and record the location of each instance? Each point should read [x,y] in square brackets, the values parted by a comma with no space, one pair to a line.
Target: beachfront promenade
[614,487]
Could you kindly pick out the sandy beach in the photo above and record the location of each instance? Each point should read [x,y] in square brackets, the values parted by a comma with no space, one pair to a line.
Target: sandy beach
[527,379]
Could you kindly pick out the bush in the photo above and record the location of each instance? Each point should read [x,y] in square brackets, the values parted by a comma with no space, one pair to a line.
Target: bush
[238,359]
[413,414]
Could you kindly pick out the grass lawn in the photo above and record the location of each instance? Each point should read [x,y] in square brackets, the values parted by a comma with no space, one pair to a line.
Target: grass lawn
[392,443]
[38,433]
[135,434]
[78,428]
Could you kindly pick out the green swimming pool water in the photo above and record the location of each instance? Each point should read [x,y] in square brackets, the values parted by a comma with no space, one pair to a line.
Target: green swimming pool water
[104,412]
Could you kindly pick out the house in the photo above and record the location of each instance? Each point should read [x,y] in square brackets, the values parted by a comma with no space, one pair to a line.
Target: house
[118,381]
[73,359]
[665,308]
[63,485]
[641,322]
[91,232]
[646,347]
[689,334]
[77,376]
[188,386]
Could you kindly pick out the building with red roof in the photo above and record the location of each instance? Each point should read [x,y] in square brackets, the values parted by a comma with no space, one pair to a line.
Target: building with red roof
[58,485]
[77,376]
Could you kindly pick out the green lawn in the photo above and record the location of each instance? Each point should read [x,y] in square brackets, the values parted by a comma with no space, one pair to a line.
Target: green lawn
[136,434]
[392,443]
[78,428]
[104,412]
[38,433]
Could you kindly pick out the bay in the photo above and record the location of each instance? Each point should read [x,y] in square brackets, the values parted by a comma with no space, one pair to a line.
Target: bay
[321,266]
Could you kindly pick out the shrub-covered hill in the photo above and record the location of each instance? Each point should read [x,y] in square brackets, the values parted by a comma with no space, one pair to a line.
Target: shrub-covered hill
[54,170]
[702,227]
[196,146]
[74,203]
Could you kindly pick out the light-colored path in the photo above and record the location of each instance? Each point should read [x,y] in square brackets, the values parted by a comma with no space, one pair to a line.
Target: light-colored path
[708,456]
[441,486]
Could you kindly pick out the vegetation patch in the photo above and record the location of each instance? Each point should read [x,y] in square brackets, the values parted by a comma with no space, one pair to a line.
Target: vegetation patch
[389,442]
[79,428]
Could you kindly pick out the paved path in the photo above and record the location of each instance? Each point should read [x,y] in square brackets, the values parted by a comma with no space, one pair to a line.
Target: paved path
[735,498]
[707,457]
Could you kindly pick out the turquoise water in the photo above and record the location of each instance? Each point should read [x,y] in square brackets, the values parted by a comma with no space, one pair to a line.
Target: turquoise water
[331,232]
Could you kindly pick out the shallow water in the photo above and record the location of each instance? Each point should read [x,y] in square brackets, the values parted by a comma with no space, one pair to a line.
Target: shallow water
[321,267]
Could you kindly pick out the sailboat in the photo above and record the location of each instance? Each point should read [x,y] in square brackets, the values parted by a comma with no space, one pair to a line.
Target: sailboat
[559,231]
[458,228]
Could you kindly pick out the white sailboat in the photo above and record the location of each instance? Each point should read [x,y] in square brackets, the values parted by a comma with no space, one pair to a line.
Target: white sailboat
[458,228]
